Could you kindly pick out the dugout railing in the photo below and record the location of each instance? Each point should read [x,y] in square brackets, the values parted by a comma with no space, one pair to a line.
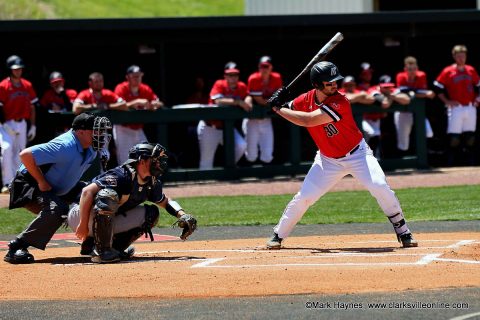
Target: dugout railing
[292,167]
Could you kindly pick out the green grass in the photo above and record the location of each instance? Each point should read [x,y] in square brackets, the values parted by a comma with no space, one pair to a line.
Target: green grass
[419,204]
[78,9]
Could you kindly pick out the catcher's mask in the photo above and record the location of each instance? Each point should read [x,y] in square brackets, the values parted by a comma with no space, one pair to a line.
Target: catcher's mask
[154,151]
[101,135]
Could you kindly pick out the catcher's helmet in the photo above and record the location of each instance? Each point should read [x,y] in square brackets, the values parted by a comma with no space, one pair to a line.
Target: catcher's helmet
[15,62]
[324,71]
[154,151]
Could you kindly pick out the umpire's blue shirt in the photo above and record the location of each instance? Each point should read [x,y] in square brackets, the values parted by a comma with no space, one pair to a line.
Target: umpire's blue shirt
[63,161]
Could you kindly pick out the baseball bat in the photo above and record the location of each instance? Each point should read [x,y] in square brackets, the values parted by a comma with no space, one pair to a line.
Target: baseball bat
[319,56]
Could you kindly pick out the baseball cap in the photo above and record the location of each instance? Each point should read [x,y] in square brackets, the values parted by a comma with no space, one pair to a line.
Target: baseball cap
[385,81]
[231,67]
[348,79]
[83,121]
[133,69]
[55,76]
[265,60]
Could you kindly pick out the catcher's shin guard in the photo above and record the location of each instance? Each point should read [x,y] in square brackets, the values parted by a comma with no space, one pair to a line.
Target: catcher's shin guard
[103,236]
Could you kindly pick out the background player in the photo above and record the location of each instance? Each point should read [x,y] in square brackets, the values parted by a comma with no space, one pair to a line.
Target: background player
[228,91]
[97,97]
[414,83]
[328,117]
[456,86]
[138,96]
[17,101]
[110,213]
[259,132]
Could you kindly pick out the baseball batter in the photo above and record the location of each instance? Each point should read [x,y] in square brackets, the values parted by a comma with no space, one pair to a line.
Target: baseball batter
[328,117]
[457,85]
[259,132]
[110,215]
[17,101]
[414,83]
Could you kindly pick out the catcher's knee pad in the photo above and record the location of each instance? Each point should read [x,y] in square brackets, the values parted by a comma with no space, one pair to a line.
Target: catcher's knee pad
[106,202]
[455,140]
[469,138]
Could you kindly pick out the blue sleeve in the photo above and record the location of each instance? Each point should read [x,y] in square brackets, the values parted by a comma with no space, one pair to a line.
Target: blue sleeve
[116,179]
[156,195]
[49,152]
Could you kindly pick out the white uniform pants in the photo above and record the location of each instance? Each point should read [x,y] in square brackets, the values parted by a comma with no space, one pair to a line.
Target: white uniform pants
[208,140]
[134,218]
[259,134]
[371,128]
[125,138]
[404,123]
[326,172]
[14,140]
[462,119]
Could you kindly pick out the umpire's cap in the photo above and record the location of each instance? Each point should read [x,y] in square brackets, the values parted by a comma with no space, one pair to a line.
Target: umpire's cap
[83,121]
[324,71]
[15,62]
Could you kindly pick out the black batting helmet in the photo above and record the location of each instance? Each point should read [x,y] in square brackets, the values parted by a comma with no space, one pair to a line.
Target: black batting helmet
[324,71]
[15,62]
[155,151]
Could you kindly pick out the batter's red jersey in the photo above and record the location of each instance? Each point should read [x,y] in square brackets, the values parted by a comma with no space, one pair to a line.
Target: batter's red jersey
[144,92]
[459,84]
[17,101]
[419,82]
[222,90]
[51,97]
[257,87]
[86,97]
[338,137]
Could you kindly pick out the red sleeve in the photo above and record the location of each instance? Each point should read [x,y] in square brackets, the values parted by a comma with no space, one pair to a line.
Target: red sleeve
[475,77]
[399,79]
[422,81]
[84,96]
[110,96]
[443,76]
[300,102]
[3,96]
[217,90]
[71,94]
[150,95]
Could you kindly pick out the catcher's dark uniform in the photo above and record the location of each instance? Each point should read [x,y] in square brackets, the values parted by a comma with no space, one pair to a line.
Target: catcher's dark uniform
[131,217]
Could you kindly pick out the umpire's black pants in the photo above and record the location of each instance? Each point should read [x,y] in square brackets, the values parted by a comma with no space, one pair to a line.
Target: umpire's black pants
[52,212]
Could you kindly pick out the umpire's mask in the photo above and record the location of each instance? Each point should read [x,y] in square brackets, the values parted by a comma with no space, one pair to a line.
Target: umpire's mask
[101,135]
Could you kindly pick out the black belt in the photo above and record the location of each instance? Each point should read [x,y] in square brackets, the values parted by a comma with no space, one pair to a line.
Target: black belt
[18,120]
[350,152]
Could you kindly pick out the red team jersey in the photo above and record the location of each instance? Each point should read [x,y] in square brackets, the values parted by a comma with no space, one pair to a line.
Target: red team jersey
[50,97]
[17,101]
[419,82]
[256,86]
[459,84]
[86,97]
[338,137]
[144,92]
[222,90]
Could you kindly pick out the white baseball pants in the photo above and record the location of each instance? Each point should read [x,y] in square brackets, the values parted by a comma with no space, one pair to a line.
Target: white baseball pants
[259,135]
[403,124]
[14,140]
[462,119]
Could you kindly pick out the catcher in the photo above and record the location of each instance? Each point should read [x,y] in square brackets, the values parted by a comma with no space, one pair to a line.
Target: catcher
[110,217]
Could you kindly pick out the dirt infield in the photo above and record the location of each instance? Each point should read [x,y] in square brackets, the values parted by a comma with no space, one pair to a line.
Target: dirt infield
[340,264]
[229,268]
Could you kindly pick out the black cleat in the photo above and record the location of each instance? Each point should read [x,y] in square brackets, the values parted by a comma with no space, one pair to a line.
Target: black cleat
[87,247]
[107,256]
[17,254]
[274,243]
[407,240]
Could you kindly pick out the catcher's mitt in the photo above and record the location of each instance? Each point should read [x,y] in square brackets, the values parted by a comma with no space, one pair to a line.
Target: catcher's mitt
[188,223]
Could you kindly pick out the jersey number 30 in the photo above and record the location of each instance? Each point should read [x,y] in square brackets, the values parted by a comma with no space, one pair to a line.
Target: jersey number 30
[330,130]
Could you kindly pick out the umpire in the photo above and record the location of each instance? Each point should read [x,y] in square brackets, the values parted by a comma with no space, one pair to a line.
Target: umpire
[49,180]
